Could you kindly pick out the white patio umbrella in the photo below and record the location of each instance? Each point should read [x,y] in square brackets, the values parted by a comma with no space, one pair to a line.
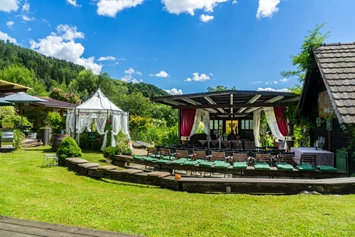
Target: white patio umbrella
[20,98]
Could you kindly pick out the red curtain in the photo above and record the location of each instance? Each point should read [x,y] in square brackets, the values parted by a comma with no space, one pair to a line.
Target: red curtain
[281,120]
[187,121]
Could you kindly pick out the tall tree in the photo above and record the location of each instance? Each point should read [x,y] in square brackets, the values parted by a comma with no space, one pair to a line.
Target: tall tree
[304,60]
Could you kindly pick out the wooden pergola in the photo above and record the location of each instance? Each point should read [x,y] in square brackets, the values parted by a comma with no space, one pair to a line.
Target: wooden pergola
[7,87]
[228,105]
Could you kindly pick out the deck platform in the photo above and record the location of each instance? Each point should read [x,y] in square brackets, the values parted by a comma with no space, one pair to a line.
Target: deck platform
[250,185]
[11,227]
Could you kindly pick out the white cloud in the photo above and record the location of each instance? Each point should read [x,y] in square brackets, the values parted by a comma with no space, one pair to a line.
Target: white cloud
[196,77]
[174,91]
[234,2]
[5,37]
[61,45]
[70,32]
[129,71]
[162,74]
[73,2]
[29,29]
[26,7]
[108,58]
[256,82]
[112,7]
[206,18]
[9,5]
[10,24]
[189,6]
[268,83]
[275,82]
[138,73]
[211,74]
[283,80]
[128,76]
[26,18]
[271,89]
[267,8]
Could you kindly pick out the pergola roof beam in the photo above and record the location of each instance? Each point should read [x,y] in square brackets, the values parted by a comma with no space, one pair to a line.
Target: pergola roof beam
[251,109]
[276,98]
[255,98]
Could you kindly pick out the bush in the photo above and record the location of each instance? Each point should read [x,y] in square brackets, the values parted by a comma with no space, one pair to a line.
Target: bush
[68,148]
[109,152]
[124,149]
[19,136]
[55,121]
[16,120]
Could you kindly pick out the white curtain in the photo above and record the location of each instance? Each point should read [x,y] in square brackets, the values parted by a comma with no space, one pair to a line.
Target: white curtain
[256,121]
[116,127]
[271,121]
[81,125]
[204,117]
[69,122]
[124,127]
[100,127]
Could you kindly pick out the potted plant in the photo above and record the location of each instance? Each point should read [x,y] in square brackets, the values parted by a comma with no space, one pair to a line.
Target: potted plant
[56,123]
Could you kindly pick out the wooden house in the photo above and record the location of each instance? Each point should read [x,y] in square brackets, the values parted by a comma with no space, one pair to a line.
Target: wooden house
[328,97]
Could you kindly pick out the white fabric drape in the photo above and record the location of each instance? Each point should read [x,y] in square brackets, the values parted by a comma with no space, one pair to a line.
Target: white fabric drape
[69,123]
[116,128]
[204,117]
[256,121]
[81,125]
[124,127]
[100,127]
[271,121]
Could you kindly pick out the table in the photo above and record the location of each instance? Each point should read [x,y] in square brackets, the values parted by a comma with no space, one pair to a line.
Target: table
[322,157]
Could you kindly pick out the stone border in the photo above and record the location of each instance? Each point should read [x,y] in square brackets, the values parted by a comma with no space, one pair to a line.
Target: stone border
[212,185]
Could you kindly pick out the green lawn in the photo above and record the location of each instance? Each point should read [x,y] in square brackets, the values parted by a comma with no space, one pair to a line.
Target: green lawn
[59,196]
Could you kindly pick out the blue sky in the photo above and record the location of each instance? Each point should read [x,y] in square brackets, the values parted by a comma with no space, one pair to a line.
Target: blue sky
[184,46]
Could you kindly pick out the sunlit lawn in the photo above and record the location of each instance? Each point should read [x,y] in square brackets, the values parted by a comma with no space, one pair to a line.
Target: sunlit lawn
[59,196]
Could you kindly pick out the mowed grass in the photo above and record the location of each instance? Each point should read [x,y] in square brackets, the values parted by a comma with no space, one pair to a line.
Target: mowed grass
[57,195]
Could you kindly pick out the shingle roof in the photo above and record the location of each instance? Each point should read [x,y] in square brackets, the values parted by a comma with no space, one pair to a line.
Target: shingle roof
[337,66]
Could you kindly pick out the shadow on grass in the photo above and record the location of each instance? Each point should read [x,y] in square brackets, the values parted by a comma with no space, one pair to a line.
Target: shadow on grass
[43,150]
[121,183]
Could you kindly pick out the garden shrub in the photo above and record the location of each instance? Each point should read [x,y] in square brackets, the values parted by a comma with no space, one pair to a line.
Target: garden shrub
[16,120]
[109,152]
[55,121]
[19,136]
[68,148]
[123,149]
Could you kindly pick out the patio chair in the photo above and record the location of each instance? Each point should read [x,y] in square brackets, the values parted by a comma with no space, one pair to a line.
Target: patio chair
[240,160]
[181,157]
[218,155]
[306,162]
[262,161]
[285,161]
[249,145]
[237,144]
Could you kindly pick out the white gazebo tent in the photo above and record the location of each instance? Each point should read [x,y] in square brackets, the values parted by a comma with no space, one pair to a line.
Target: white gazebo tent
[97,109]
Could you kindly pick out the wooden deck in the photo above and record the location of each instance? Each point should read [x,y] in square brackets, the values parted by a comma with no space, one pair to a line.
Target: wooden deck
[10,227]
[211,184]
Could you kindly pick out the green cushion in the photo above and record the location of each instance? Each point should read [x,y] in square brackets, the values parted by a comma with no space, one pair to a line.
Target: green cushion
[326,168]
[305,167]
[240,165]
[150,159]
[154,155]
[284,166]
[179,161]
[190,162]
[167,158]
[221,164]
[261,166]
[206,164]
[139,157]
[162,161]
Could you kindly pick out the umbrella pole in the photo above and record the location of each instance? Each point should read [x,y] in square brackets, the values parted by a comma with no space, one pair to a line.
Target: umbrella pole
[21,112]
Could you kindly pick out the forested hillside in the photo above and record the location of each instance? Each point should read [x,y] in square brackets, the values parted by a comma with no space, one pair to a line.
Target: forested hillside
[67,81]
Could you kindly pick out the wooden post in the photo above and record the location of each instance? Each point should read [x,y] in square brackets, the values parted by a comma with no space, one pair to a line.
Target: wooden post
[179,125]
